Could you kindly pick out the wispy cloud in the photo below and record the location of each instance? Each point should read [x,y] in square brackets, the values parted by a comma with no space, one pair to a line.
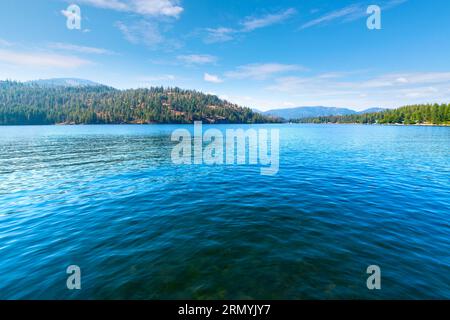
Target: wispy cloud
[386,90]
[79,49]
[157,7]
[142,32]
[41,60]
[197,59]
[249,24]
[262,71]
[399,80]
[107,4]
[149,33]
[350,13]
[221,34]
[168,8]
[212,78]
[392,3]
[253,23]
[4,43]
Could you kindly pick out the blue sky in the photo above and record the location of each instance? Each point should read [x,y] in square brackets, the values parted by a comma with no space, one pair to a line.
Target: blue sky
[258,53]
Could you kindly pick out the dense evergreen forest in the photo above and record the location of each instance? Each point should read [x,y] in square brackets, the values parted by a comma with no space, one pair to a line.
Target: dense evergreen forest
[415,114]
[33,104]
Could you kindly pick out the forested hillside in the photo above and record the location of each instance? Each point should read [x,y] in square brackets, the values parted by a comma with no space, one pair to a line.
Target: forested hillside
[415,114]
[33,104]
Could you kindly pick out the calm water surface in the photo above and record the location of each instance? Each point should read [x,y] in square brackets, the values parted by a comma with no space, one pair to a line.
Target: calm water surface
[108,198]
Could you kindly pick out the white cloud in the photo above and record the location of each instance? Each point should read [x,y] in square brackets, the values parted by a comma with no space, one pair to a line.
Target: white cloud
[347,13]
[219,34]
[157,7]
[253,23]
[212,78]
[407,79]
[392,3]
[350,13]
[80,49]
[197,59]
[143,32]
[42,60]
[262,71]
[107,4]
[4,43]
[168,8]
[249,24]
[387,90]
[148,33]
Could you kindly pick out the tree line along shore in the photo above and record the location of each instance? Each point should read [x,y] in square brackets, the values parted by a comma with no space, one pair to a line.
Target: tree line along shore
[424,114]
[34,104]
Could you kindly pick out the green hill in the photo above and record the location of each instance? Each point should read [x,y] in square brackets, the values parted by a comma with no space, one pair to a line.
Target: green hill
[40,104]
[438,114]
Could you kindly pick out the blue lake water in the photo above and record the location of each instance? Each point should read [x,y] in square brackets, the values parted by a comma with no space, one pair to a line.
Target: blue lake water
[109,199]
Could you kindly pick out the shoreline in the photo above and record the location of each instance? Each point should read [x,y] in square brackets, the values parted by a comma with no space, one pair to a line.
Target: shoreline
[380,124]
[220,124]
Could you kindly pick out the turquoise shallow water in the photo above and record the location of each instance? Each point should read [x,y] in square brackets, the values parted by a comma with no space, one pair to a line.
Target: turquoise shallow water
[108,198]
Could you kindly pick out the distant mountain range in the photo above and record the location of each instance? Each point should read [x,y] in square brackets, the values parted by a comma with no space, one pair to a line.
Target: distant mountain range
[286,113]
[371,110]
[313,112]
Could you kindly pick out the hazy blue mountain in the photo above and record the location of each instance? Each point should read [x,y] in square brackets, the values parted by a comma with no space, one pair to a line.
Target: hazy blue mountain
[65,82]
[308,112]
[372,110]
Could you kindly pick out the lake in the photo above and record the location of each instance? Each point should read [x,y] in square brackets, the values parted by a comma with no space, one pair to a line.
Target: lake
[109,200]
